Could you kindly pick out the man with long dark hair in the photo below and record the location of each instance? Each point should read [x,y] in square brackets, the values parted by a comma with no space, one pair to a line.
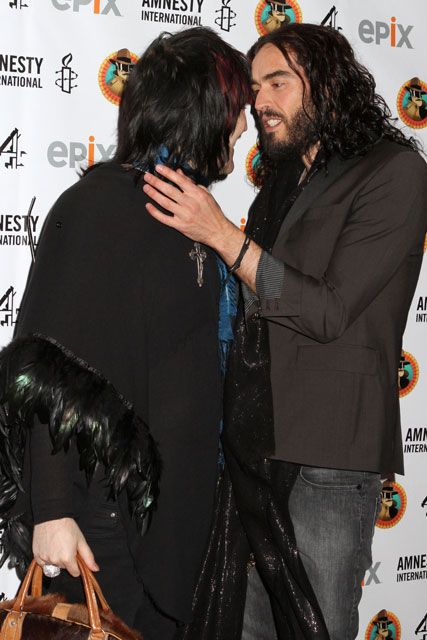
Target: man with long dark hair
[329,264]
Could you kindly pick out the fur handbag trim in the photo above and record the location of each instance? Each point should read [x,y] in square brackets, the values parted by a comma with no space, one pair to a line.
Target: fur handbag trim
[47,614]
[38,376]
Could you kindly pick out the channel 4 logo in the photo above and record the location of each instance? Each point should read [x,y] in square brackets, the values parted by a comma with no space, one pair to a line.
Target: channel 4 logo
[8,310]
[421,630]
[18,4]
[11,153]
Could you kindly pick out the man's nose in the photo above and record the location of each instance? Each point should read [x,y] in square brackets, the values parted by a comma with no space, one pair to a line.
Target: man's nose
[262,100]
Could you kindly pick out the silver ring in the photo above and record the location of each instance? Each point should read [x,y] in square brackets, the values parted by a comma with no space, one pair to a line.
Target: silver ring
[51,570]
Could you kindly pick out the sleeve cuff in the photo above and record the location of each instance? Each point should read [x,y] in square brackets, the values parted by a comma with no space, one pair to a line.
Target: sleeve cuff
[51,513]
[269,277]
[289,301]
[251,301]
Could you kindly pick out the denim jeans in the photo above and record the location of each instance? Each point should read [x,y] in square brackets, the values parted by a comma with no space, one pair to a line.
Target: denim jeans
[333,513]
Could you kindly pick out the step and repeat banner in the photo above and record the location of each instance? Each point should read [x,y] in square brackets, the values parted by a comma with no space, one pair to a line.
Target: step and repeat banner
[63,65]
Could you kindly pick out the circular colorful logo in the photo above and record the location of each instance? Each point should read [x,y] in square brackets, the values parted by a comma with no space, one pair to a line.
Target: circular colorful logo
[273,14]
[412,103]
[408,373]
[252,160]
[393,505]
[114,72]
[384,626]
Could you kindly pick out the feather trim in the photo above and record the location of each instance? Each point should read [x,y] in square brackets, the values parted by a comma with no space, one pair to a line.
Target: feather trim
[16,543]
[39,376]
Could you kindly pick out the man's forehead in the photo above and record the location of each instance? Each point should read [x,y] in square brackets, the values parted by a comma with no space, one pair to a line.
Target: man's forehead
[270,59]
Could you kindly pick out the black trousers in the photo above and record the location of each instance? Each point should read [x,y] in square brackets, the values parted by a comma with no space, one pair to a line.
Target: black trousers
[103,529]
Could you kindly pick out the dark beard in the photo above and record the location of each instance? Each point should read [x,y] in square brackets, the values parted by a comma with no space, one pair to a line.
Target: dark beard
[301,137]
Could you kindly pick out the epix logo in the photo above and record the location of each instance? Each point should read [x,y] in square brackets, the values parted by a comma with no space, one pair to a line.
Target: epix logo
[71,154]
[102,7]
[372,576]
[392,33]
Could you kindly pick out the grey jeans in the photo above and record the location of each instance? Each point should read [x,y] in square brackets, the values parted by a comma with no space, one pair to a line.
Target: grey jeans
[333,513]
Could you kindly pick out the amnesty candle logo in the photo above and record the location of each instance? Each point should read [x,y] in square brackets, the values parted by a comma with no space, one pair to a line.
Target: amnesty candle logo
[384,626]
[393,505]
[226,16]
[66,75]
[273,14]
[412,103]
[180,12]
[114,72]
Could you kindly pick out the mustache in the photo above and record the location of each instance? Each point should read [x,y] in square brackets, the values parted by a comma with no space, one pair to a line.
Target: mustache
[269,113]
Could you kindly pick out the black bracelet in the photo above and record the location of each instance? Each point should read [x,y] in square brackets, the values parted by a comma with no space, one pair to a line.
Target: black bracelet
[238,262]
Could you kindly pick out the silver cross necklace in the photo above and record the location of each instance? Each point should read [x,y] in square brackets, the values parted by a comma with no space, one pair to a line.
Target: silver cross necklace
[199,255]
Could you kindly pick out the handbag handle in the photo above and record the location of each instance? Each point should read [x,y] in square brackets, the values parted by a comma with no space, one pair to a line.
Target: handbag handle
[91,588]
[37,590]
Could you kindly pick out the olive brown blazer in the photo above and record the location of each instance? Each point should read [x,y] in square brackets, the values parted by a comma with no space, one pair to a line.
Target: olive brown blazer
[352,245]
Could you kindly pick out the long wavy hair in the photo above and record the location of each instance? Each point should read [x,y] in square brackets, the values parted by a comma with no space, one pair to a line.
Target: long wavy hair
[348,115]
[183,97]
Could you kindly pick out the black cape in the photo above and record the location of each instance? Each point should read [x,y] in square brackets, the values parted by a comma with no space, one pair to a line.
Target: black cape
[114,292]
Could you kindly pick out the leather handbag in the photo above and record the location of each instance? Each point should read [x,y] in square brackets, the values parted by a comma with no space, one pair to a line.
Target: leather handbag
[38,617]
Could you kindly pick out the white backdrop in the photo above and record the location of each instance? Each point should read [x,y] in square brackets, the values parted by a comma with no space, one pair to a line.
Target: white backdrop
[56,114]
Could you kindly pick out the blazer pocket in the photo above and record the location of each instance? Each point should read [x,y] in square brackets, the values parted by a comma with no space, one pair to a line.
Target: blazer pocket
[351,358]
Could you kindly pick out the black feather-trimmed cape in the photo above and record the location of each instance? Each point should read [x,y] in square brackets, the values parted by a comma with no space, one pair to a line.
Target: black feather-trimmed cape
[40,377]
[114,327]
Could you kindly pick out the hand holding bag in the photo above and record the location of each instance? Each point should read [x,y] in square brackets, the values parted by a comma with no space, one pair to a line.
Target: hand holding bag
[49,617]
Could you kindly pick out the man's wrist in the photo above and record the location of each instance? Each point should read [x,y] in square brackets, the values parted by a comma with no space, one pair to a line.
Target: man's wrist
[229,243]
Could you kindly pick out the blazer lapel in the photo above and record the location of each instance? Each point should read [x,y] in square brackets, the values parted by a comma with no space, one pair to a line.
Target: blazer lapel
[317,186]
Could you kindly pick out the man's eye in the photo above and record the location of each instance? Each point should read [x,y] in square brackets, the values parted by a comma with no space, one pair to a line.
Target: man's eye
[277,85]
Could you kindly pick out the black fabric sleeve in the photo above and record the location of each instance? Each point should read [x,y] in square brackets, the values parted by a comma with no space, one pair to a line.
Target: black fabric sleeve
[51,476]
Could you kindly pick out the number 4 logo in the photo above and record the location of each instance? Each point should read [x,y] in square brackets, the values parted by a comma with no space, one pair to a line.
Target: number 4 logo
[424,504]
[422,627]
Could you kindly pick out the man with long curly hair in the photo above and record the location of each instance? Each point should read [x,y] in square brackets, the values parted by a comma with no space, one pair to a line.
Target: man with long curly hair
[329,263]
